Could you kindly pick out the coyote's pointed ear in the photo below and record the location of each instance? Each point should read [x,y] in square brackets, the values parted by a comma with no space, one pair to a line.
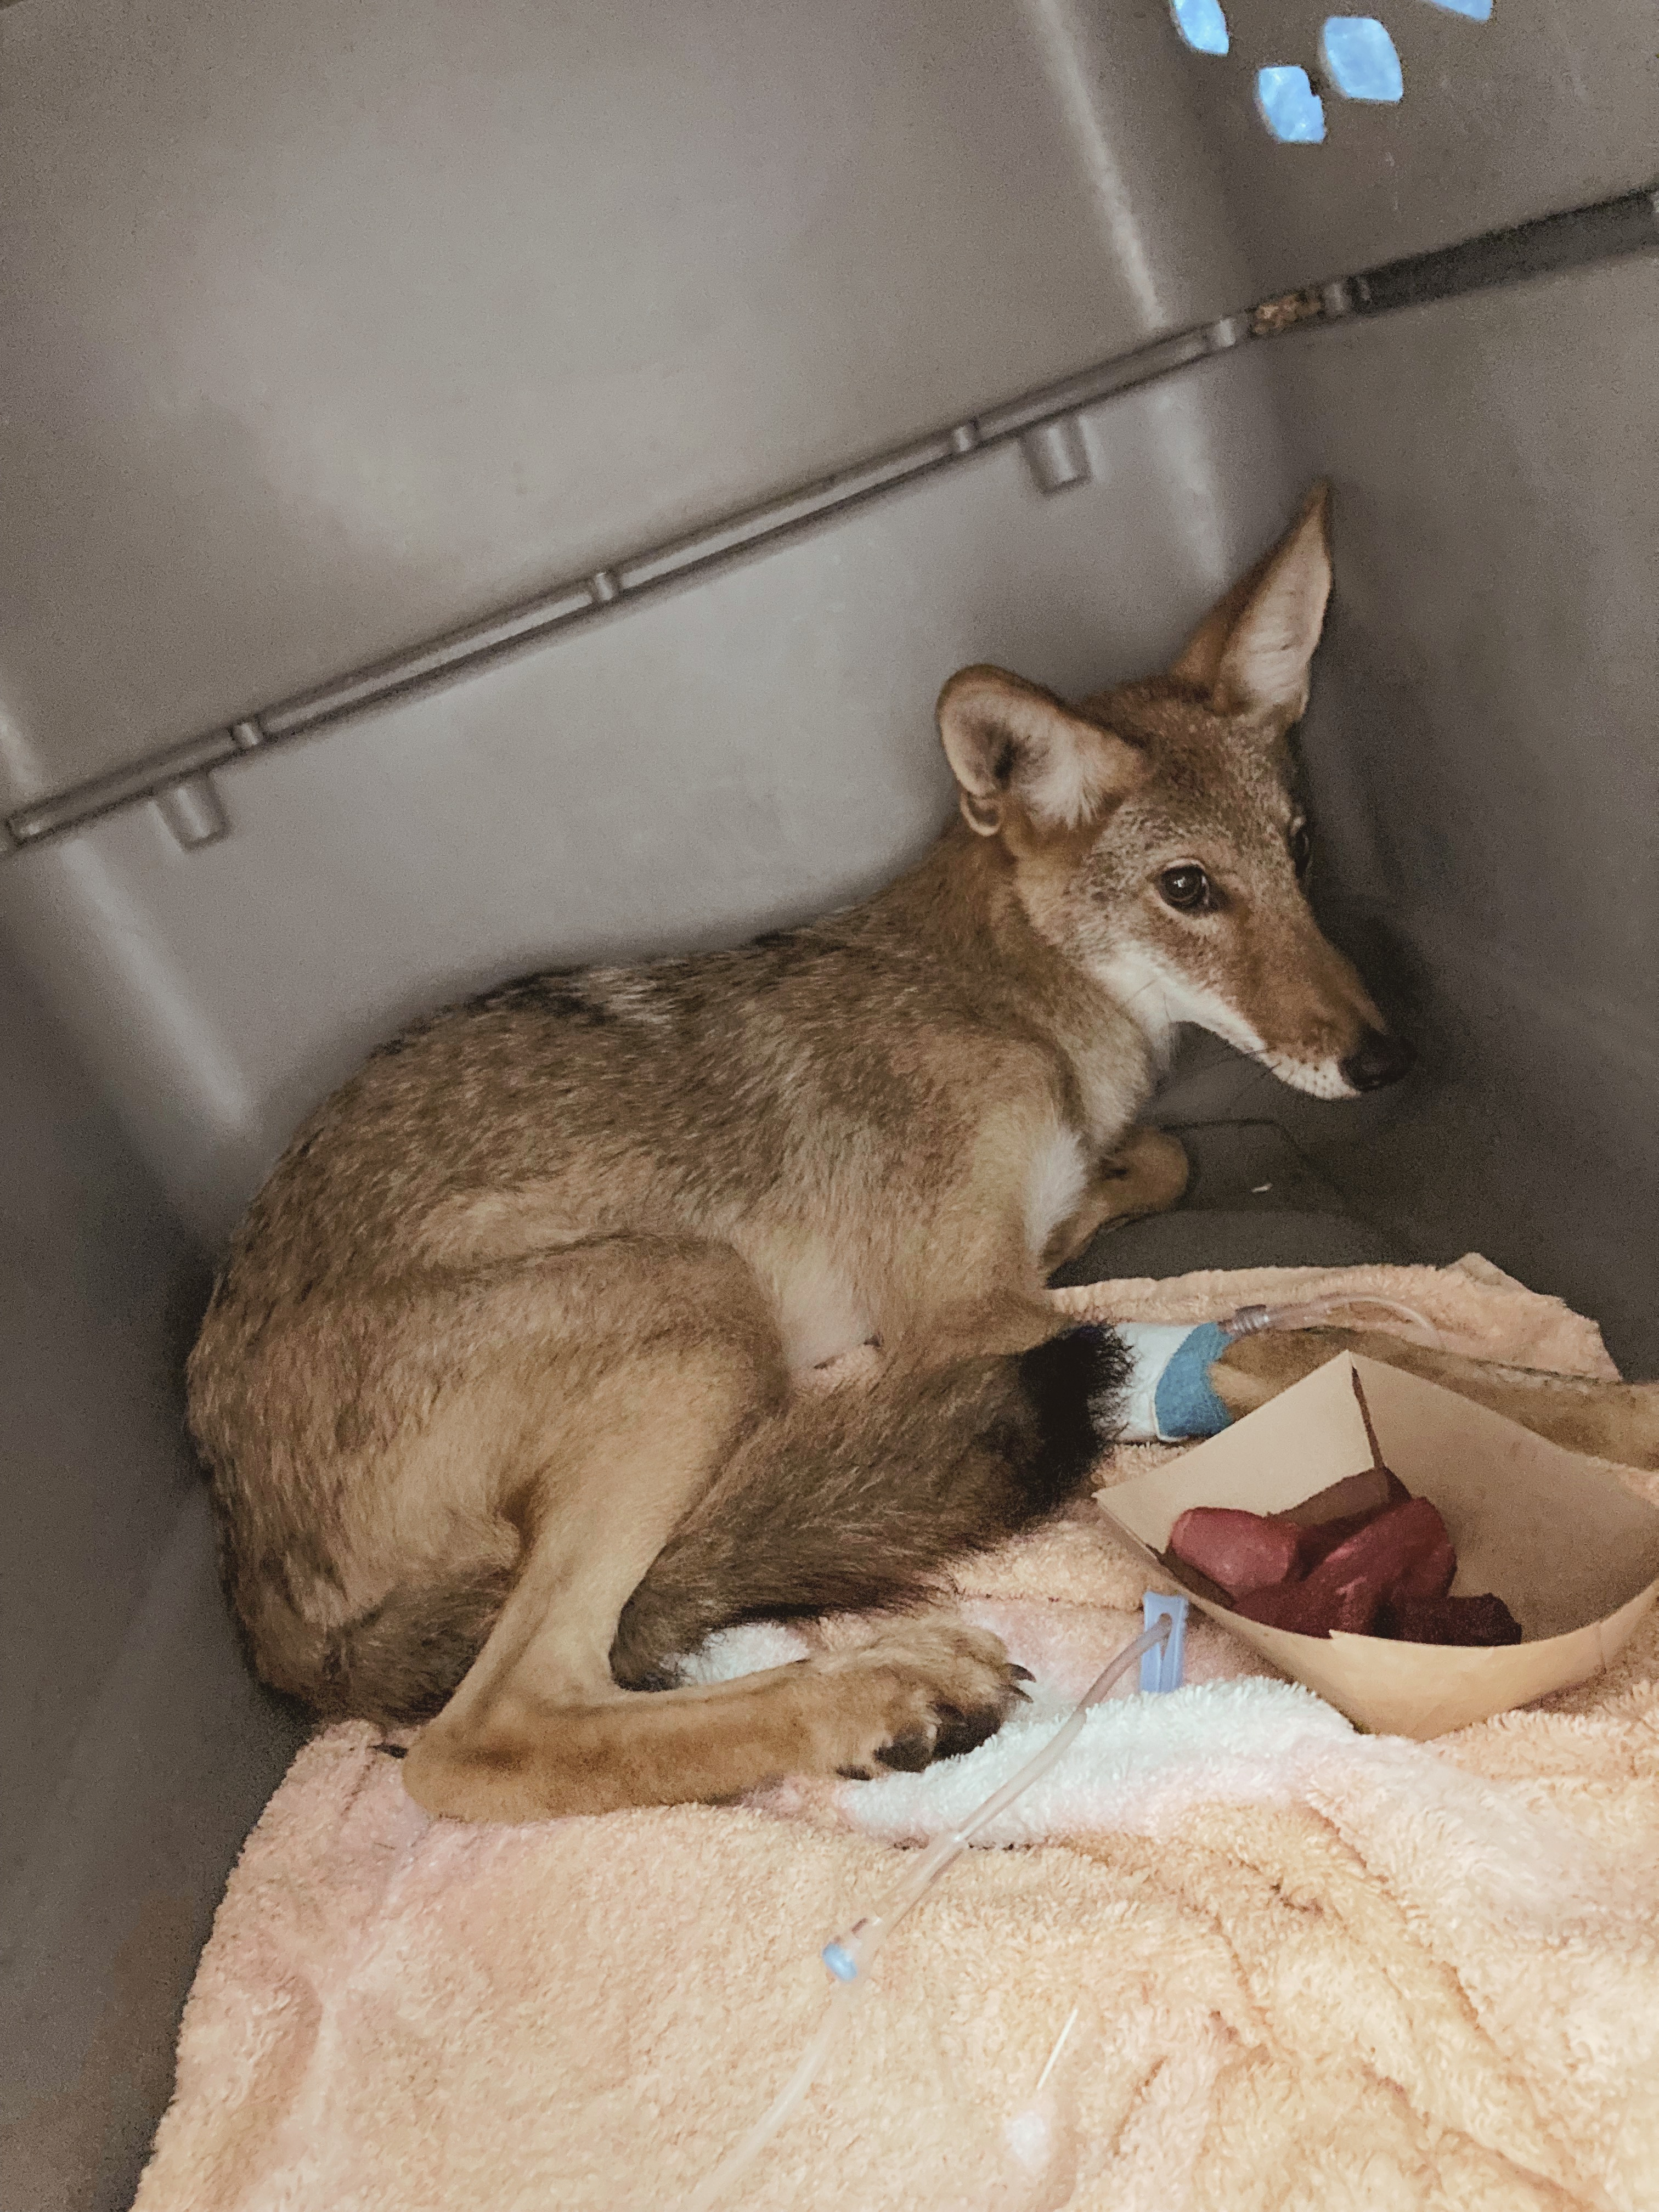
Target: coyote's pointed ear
[1251,652]
[1012,745]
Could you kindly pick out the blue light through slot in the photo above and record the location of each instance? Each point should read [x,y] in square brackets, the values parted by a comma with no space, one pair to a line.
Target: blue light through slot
[1360,58]
[1480,11]
[1290,107]
[1203,26]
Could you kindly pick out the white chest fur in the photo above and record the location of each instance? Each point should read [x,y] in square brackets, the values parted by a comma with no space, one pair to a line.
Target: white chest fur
[819,1313]
[1055,1183]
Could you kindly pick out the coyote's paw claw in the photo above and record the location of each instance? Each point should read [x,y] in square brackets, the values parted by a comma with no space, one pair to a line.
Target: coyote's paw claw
[924,1692]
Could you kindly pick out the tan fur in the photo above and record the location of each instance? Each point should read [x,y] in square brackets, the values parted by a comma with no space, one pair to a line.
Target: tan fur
[1617,1421]
[496,1385]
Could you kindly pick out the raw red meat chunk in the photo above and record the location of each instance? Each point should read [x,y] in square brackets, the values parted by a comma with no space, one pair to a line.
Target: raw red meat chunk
[1403,1543]
[1240,1551]
[1364,1557]
[1482,1620]
[1311,1610]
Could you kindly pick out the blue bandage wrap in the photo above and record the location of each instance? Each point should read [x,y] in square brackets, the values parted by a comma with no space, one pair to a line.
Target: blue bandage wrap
[1169,1400]
[1185,1403]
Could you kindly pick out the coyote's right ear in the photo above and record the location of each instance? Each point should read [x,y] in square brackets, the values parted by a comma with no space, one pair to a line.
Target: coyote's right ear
[1011,744]
[1250,652]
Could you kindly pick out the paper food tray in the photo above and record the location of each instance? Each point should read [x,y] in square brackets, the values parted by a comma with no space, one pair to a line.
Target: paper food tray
[1571,1550]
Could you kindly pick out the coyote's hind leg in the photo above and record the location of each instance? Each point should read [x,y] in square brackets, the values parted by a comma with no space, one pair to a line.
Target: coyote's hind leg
[843,1499]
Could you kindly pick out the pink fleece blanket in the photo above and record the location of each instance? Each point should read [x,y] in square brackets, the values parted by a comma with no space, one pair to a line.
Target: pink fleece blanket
[1308,1968]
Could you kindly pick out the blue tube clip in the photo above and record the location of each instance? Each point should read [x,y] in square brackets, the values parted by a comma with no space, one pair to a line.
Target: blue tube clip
[1165,1668]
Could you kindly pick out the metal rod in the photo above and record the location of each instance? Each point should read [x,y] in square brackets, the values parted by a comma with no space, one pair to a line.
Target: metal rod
[1578,238]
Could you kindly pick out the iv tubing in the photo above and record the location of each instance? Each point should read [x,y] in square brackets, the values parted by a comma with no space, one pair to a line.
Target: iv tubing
[1250,1321]
[849,1956]
[737,2162]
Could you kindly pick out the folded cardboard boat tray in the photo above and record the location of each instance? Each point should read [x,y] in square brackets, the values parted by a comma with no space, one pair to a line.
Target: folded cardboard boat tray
[1571,1548]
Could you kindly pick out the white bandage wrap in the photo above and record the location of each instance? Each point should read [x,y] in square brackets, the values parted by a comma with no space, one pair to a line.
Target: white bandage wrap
[1169,1398]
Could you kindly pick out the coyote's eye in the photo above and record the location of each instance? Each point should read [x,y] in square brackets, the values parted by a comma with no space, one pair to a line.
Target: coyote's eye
[1187,887]
[1301,849]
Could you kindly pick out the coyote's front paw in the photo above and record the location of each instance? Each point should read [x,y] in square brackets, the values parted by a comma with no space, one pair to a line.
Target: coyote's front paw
[923,1691]
[1148,1173]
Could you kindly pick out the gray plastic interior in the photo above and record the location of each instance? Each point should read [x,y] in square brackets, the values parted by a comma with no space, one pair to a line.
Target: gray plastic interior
[490,486]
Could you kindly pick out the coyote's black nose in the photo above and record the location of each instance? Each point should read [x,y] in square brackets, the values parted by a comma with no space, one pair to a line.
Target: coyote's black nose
[1381,1059]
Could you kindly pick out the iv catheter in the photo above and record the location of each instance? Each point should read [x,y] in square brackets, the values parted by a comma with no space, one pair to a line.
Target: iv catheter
[849,1956]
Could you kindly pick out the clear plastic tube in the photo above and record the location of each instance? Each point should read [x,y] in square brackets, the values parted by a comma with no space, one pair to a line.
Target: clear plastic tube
[1250,1321]
[848,1957]
[837,2017]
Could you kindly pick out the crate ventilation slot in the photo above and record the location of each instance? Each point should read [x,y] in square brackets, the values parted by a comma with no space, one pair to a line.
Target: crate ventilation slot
[1358,60]
[1201,24]
[1291,108]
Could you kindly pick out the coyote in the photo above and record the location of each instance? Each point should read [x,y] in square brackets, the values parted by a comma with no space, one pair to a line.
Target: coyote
[501,1384]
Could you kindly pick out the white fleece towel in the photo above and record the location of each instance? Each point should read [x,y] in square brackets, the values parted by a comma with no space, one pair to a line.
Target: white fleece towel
[1138,1763]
